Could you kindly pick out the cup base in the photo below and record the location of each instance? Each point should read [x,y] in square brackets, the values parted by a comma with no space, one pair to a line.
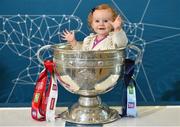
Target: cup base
[94,114]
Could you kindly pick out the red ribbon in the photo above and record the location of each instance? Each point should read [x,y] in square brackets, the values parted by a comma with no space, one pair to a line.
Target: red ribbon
[40,97]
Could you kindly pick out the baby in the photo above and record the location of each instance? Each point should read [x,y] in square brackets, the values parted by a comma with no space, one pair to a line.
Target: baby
[107,34]
[106,25]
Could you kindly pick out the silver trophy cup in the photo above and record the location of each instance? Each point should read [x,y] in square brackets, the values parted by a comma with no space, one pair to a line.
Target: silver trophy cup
[88,74]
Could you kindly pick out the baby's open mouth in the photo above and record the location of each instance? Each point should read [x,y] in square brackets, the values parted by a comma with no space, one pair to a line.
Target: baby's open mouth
[101,28]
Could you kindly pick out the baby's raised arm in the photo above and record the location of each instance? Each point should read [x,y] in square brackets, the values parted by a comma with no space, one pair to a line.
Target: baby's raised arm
[117,24]
[69,36]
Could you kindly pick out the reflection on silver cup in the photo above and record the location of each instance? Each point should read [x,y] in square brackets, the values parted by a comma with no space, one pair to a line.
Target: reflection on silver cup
[87,73]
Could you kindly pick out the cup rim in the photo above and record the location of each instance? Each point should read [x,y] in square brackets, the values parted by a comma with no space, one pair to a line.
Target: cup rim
[61,47]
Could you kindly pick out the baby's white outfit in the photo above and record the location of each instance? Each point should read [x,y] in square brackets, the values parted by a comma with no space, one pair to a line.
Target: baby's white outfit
[111,41]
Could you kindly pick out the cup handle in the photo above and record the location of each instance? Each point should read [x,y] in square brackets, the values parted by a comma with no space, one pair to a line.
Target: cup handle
[139,53]
[46,47]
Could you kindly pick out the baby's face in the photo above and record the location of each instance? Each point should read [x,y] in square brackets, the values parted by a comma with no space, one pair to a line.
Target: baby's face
[101,21]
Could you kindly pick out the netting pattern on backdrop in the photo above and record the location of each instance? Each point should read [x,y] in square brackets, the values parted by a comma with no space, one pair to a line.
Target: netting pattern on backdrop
[25,34]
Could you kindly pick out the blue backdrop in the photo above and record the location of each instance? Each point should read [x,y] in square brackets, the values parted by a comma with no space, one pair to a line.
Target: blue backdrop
[27,25]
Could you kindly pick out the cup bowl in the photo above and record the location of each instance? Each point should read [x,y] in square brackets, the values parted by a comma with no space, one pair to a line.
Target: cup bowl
[88,73]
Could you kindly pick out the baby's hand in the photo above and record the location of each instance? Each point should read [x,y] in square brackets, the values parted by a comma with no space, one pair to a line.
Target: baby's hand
[69,36]
[117,23]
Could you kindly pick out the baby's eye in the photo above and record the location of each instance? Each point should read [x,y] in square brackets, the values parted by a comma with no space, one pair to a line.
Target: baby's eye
[105,20]
[97,21]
